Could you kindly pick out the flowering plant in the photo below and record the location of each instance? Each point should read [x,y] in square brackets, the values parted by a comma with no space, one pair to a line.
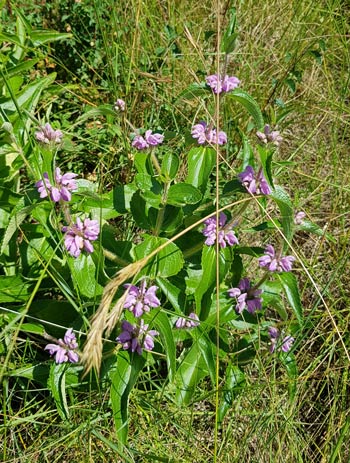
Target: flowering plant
[164,269]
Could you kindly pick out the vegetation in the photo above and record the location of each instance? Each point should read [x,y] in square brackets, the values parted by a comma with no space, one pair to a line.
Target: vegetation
[130,231]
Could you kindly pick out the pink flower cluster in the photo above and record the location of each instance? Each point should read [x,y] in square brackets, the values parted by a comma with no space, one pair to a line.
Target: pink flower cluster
[140,300]
[274,263]
[246,297]
[136,337]
[148,140]
[269,136]
[255,183]
[225,237]
[204,134]
[64,350]
[190,322]
[61,190]
[48,135]
[79,236]
[221,84]
[284,345]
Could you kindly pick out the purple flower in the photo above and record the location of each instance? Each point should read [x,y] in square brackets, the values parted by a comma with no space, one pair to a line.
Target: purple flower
[79,236]
[255,183]
[298,218]
[205,134]
[190,322]
[269,136]
[64,350]
[119,105]
[246,297]
[61,190]
[136,338]
[139,300]
[222,84]
[275,337]
[225,237]
[274,263]
[47,134]
[150,139]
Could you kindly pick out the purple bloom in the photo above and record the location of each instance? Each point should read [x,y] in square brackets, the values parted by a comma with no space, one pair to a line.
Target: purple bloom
[139,300]
[255,183]
[190,322]
[269,136]
[61,190]
[64,350]
[275,337]
[205,134]
[246,297]
[136,338]
[119,105]
[225,237]
[47,134]
[79,236]
[274,263]
[298,218]
[222,84]
[149,139]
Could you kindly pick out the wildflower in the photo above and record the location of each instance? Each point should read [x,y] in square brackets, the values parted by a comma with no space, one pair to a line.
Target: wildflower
[269,136]
[274,263]
[275,336]
[204,134]
[222,84]
[119,105]
[136,338]
[61,190]
[150,139]
[64,350]
[79,236]
[246,297]
[139,300]
[225,237]
[255,183]
[298,218]
[47,134]
[191,322]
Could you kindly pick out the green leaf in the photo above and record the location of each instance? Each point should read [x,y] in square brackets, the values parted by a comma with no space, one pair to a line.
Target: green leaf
[34,328]
[172,293]
[288,361]
[249,104]
[38,37]
[123,379]
[201,161]
[189,373]
[181,194]
[282,199]
[230,36]
[138,209]
[311,227]
[13,289]
[170,166]
[193,91]
[162,324]
[84,275]
[169,261]
[57,385]
[206,348]
[289,284]
[234,383]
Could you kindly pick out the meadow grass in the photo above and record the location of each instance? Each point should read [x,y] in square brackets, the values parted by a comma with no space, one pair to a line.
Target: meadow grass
[293,57]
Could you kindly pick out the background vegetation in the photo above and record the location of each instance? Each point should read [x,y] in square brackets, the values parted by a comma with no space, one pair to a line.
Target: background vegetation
[293,57]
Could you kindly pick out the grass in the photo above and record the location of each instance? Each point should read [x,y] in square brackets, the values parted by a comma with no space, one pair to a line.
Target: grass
[293,57]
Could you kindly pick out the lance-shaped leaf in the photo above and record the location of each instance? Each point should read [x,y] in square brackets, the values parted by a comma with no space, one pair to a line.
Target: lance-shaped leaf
[248,102]
[290,286]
